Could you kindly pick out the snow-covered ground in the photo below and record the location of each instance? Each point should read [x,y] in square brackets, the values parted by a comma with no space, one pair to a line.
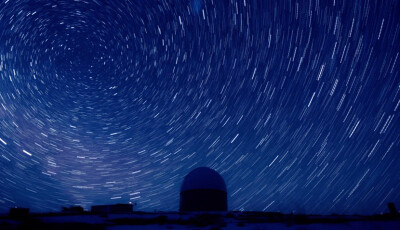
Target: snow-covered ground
[372,225]
[209,221]
[88,219]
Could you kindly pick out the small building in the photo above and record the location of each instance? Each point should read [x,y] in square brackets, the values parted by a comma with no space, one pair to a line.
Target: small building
[392,209]
[203,189]
[18,213]
[112,209]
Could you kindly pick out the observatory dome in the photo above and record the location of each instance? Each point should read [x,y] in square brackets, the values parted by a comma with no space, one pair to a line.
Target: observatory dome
[203,178]
[203,189]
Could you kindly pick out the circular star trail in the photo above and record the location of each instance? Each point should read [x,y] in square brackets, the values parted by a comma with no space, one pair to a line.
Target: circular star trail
[295,103]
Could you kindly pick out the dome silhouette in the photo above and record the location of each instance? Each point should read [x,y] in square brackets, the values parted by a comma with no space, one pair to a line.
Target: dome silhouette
[203,189]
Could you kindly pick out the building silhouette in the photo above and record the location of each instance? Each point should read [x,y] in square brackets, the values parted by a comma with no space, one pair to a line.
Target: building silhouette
[392,209]
[203,189]
[18,213]
[112,209]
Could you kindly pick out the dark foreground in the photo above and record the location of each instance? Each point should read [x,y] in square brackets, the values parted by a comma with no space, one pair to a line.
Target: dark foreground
[217,220]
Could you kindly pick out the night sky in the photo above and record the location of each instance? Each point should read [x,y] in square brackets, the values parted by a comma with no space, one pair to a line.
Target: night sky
[295,103]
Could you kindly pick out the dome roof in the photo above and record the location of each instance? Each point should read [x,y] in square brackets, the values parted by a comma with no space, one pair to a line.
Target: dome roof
[203,178]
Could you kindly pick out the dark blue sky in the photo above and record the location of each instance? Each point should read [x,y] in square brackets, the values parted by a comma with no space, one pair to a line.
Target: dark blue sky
[295,103]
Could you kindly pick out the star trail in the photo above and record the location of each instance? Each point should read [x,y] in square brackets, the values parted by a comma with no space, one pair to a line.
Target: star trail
[295,103]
